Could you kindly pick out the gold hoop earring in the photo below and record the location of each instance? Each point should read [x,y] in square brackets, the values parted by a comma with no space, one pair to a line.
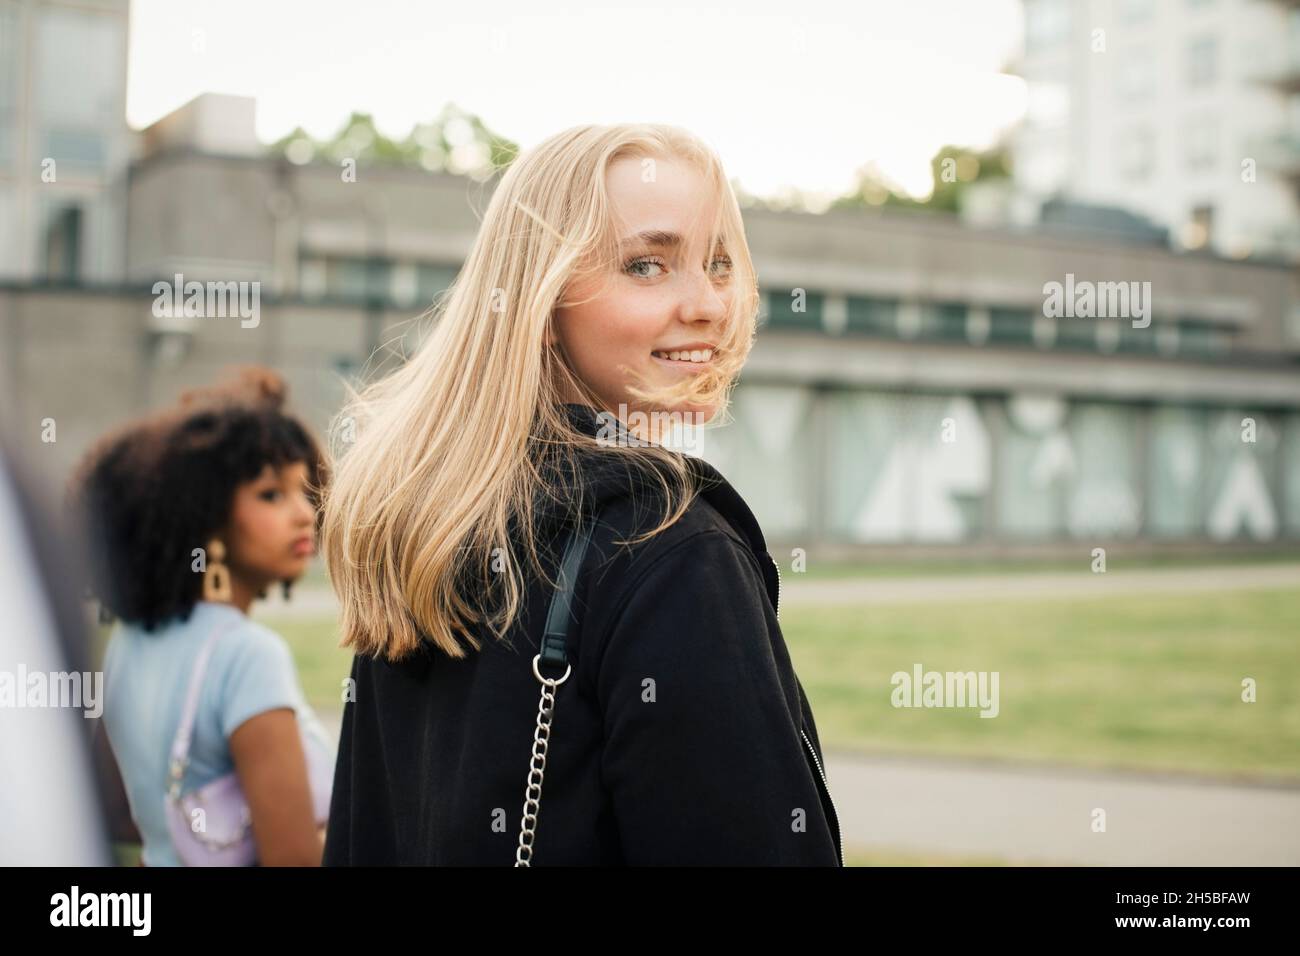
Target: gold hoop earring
[216,576]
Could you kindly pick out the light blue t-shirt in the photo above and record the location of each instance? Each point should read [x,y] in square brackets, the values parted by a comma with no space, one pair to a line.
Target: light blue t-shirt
[146,676]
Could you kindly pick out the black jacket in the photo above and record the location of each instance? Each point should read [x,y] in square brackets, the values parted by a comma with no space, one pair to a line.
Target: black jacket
[682,735]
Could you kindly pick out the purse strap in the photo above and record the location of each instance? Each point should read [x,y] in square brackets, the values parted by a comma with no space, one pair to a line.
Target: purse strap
[180,754]
[554,650]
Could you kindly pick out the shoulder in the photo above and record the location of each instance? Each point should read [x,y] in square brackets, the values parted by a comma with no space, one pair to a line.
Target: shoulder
[247,659]
[716,516]
[618,561]
[699,560]
[247,644]
[255,673]
[627,516]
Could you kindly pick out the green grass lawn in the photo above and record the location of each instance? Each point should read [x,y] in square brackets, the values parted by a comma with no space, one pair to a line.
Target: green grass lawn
[322,666]
[1131,682]
[1136,682]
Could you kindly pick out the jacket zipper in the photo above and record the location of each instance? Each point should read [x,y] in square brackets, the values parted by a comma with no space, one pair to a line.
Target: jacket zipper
[776,564]
[839,848]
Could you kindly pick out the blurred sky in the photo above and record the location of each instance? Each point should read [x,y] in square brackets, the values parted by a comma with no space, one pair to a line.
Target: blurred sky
[790,93]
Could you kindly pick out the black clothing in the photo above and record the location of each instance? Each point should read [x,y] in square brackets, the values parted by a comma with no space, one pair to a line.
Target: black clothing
[682,735]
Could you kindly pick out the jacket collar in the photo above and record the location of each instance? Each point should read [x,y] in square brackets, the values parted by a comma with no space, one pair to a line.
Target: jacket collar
[604,480]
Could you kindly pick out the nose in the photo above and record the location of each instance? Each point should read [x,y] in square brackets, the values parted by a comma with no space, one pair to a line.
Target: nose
[705,300]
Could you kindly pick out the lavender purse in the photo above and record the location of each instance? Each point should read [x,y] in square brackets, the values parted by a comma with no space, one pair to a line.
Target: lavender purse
[222,835]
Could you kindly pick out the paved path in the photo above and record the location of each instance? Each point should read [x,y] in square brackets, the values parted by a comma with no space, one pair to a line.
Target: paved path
[306,602]
[1044,814]
[1036,586]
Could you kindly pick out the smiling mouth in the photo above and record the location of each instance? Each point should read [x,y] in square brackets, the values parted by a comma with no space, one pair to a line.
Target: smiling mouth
[693,357]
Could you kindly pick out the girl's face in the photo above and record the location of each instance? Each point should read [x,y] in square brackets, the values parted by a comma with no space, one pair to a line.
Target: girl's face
[272,528]
[671,294]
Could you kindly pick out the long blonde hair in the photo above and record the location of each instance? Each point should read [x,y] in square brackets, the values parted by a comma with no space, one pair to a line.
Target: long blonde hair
[434,464]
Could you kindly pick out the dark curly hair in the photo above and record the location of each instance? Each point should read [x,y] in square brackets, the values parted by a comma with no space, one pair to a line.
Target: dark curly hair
[152,491]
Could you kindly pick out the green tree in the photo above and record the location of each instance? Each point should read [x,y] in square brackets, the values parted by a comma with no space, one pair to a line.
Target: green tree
[455,141]
[952,170]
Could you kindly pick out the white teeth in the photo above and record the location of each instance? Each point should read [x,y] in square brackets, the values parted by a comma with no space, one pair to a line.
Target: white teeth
[699,355]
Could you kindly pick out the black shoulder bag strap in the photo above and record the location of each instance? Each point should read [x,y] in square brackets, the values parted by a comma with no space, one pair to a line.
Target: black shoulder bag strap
[555,652]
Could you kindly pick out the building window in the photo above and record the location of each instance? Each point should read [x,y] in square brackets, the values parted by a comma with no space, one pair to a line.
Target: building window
[348,367]
[1047,22]
[1131,11]
[1136,150]
[1076,334]
[76,147]
[794,308]
[8,83]
[1201,57]
[346,279]
[63,244]
[431,280]
[1135,78]
[873,316]
[1201,339]
[79,72]
[1140,341]
[1011,327]
[1200,137]
[943,320]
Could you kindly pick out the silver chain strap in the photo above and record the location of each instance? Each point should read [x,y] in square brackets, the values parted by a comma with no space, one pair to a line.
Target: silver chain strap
[537,765]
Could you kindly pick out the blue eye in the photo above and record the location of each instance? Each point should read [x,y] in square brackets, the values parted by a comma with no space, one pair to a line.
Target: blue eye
[643,261]
[632,265]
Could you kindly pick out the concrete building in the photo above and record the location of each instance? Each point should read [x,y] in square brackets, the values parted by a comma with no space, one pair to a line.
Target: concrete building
[1187,111]
[907,390]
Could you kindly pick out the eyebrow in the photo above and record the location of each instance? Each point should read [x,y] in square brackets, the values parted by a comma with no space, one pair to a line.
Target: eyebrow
[654,237]
[660,237]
